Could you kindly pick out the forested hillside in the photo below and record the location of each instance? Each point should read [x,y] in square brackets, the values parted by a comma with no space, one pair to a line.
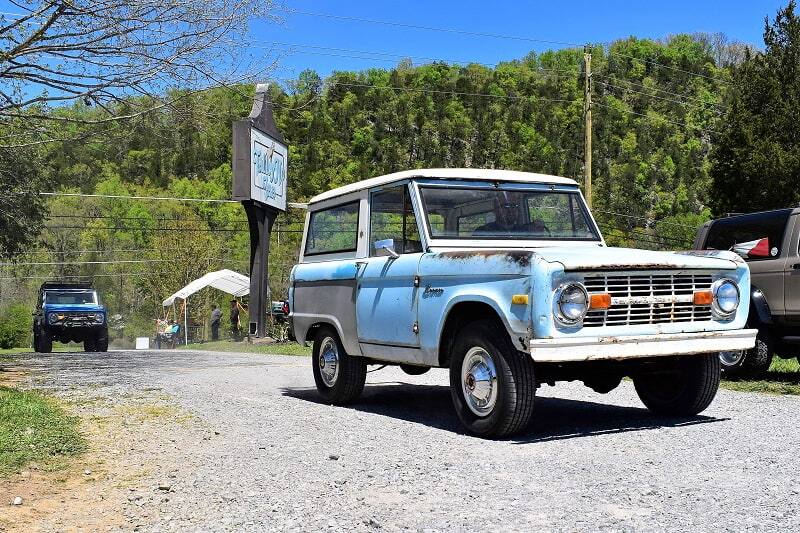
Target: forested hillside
[656,107]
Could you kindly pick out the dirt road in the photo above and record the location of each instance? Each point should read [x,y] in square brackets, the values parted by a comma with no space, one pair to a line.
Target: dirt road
[212,441]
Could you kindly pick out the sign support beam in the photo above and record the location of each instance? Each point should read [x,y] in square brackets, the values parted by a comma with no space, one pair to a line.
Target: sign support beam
[260,162]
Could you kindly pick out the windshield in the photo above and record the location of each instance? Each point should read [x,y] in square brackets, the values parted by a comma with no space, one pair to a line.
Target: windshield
[70,297]
[533,214]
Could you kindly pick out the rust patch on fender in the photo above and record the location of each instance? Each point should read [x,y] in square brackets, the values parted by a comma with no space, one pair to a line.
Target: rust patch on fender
[521,258]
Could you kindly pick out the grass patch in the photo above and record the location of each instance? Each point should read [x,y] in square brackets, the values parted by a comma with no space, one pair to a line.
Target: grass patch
[57,347]
[283,348]
[783,377]
[34,428]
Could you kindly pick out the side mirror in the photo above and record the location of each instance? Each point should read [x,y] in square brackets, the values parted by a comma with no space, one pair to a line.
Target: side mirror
[757,248]
[386,247]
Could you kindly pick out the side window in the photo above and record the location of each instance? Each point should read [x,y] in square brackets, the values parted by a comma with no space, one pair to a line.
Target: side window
[755,237]
[392,217]
[333,230]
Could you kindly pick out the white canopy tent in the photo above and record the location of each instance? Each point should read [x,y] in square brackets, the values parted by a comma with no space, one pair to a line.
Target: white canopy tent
[225,280]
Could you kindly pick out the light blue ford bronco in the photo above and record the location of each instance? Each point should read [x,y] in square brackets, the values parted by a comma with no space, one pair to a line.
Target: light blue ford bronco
[504,278]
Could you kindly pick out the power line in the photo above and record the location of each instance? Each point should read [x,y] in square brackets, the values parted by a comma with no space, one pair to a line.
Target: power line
[116,262]
[686,97]
[78,252]
[493,36]
[429,28]
[406,56]
[662,65]
[679,102]
[645,218]
[628,111]
[455,93]
[187,230]
[294,205]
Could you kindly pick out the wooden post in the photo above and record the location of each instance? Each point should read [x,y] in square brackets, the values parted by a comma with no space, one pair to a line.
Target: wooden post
[587,113]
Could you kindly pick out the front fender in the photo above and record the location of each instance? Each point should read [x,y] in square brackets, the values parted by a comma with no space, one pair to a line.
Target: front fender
[759,308]
[433,316]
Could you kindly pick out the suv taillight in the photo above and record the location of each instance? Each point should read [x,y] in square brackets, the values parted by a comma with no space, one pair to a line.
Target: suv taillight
[285,307]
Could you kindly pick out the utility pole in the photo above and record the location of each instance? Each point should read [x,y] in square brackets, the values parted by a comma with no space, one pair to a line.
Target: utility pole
[587,114]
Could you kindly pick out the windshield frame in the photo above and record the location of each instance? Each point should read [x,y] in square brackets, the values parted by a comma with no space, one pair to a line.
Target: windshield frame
[509,241]
[95,300]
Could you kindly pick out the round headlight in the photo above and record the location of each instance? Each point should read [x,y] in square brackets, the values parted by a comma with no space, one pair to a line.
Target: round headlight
[52,318]
[573,302]
[726,297]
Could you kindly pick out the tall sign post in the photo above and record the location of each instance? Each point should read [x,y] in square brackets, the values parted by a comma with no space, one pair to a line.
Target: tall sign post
[260,164]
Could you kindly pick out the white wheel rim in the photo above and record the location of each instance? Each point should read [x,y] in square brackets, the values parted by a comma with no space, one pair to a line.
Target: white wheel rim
[731,358]
[328,361]
[479,381]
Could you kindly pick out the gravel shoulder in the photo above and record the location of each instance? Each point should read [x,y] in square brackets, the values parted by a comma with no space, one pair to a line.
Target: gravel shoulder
[212,441]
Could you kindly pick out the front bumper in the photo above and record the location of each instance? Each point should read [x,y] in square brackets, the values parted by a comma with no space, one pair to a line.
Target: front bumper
[633,346]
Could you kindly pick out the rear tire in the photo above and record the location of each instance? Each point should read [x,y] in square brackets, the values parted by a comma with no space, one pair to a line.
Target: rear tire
[491,383]
[101,343]
[339,377]
[752,363]
[685,390]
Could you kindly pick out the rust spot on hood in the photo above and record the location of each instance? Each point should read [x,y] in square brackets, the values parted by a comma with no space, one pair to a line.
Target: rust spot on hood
[520,257]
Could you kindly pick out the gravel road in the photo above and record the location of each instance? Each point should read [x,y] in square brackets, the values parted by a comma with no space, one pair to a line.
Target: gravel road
[262,453]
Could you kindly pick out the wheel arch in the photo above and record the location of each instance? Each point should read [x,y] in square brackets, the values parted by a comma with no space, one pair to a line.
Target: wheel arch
[312,330]
[760,313]
[461,313]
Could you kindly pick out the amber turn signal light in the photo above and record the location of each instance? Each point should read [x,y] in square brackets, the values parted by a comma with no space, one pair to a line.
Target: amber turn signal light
[703,297]
[599,301]
[519,299]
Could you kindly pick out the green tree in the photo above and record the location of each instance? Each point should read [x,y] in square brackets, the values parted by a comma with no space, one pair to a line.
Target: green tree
[756,158]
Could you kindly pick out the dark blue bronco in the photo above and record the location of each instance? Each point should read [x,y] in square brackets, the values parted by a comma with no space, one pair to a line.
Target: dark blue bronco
[69,312]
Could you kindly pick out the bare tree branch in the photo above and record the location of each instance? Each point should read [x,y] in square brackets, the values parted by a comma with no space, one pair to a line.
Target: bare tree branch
[100,52]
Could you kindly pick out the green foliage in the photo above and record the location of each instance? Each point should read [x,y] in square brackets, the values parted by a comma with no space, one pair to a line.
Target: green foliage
[756,158]
[34,428]
[15,326]
[651,170]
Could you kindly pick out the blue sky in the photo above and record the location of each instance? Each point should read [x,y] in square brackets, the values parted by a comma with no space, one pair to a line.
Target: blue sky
[576,21]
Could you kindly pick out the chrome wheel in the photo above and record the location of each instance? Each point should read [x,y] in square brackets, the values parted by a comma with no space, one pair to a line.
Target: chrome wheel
[731,358]
[328,361]
[479,381]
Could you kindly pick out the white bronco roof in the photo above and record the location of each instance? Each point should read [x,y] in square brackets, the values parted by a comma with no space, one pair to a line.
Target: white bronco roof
[478,174]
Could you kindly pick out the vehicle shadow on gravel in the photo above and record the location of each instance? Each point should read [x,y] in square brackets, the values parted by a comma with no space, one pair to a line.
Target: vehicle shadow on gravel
[555,418]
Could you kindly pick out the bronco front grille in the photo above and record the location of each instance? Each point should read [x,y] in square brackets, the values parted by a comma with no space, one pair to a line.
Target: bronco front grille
[658,298]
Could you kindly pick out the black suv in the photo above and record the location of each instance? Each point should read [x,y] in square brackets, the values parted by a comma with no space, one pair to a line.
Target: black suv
[770,243]
[69,312]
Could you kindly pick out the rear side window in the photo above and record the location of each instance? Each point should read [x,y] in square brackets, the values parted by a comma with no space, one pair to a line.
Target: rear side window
[333,230]
[742,231]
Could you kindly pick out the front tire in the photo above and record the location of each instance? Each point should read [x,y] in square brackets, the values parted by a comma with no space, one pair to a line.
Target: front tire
[686,389]
[752,363]
[45,342]
[491,383]
[89,345]
[339,377]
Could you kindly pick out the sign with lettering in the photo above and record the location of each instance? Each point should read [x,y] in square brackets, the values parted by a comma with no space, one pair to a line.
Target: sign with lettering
[268,167]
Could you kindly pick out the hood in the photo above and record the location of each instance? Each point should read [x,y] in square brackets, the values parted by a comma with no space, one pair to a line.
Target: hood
[85,308]
[606,258]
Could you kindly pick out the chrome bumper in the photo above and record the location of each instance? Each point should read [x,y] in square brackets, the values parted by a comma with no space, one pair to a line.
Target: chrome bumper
[627,347]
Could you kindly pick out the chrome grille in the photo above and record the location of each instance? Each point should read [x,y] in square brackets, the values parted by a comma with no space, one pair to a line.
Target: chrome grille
[658,298]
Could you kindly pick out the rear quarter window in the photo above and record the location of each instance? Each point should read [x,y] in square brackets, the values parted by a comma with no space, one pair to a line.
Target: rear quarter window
[333,230]
[725,233]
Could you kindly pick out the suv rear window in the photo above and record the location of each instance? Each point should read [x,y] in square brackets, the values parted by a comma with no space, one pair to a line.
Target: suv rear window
[727,232]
